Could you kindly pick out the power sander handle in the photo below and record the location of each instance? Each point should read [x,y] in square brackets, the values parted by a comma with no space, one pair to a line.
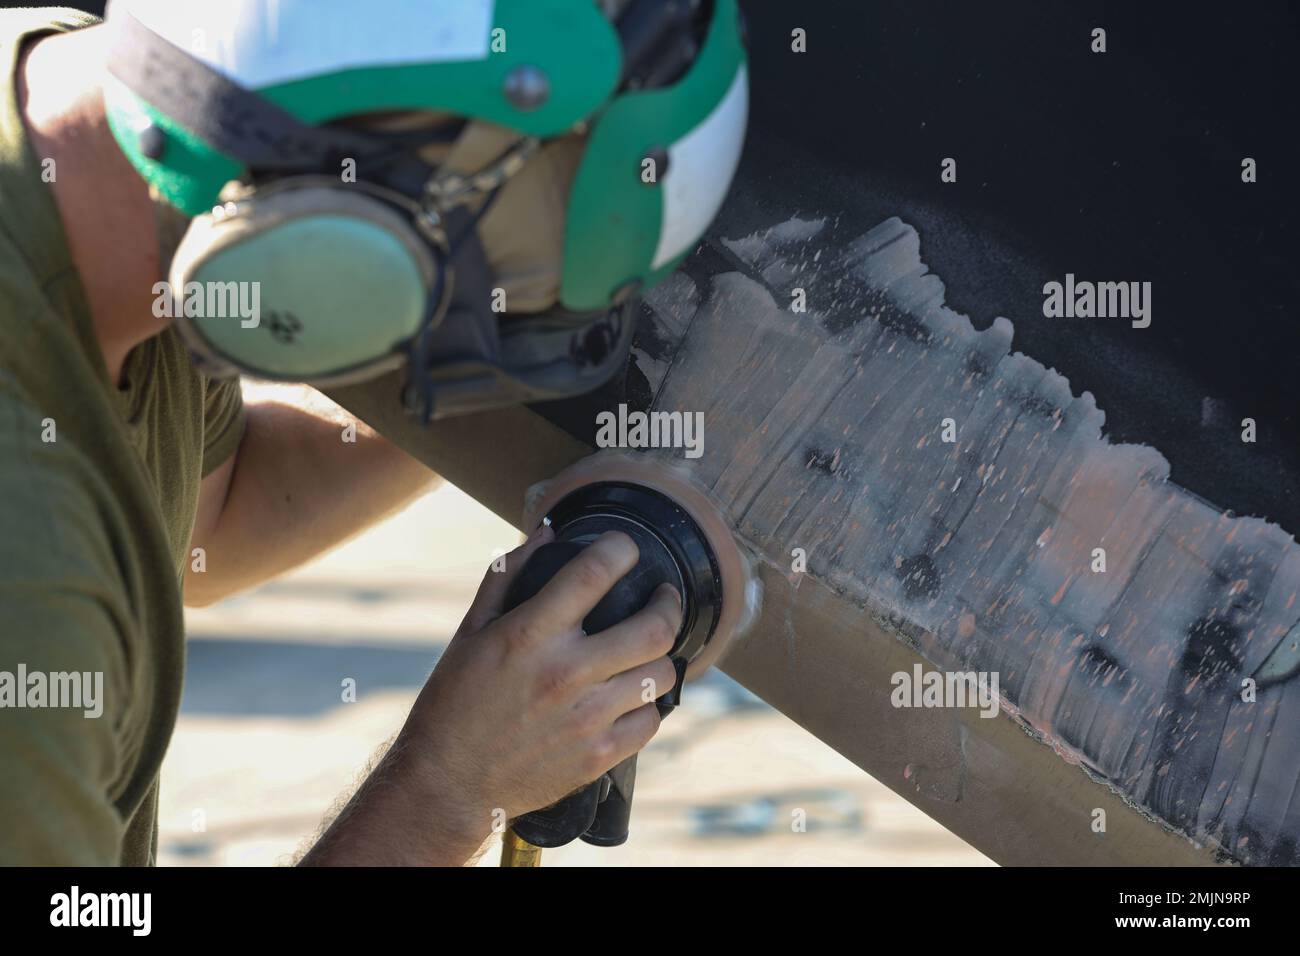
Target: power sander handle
[599,813]
[671,549]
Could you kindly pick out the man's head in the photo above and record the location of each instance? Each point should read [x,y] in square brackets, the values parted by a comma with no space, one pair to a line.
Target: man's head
[397,176]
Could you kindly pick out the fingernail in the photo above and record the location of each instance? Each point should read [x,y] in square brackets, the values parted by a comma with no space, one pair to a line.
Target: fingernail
[618,544]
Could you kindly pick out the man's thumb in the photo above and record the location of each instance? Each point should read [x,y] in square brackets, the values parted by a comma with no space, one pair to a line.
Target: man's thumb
[489,602]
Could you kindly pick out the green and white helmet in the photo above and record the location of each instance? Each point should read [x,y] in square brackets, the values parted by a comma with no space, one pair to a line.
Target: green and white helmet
[377,165]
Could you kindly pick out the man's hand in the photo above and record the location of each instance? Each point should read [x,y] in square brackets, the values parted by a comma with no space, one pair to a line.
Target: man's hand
[523,709]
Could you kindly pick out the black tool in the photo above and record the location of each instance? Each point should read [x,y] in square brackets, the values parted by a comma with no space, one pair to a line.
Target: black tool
[672,549]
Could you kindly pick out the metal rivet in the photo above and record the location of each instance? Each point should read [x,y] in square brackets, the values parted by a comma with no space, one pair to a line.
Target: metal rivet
[152,142]
[527,88]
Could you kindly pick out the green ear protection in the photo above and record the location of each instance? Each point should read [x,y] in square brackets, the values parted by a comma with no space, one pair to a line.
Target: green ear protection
[226,110]
[304,252]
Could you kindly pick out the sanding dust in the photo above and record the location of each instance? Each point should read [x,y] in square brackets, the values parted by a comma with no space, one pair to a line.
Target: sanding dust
[986,551]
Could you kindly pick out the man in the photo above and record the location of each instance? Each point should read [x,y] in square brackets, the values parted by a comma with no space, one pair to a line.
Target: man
[128,476]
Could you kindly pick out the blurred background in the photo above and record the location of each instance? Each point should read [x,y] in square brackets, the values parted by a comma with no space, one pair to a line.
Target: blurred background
[266,744]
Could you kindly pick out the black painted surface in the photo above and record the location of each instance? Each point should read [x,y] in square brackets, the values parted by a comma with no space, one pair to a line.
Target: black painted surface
[1122,166]
[1116,166]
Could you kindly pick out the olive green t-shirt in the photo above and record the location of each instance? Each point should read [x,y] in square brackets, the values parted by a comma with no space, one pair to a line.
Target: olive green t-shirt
[98,490]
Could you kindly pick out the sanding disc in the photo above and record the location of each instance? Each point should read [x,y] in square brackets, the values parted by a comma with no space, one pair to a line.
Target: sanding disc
[741,590]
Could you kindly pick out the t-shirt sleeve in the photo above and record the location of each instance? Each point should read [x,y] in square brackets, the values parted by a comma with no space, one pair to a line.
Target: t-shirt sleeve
[64,666]
[223,421]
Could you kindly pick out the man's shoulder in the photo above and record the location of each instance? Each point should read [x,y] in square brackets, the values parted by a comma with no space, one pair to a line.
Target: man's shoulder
[56,511]
[22,301]
[33,453]
[34,247]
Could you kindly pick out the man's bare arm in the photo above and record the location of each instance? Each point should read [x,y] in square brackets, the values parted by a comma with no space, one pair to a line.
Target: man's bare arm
[296,487]
[403,815]
[522,708]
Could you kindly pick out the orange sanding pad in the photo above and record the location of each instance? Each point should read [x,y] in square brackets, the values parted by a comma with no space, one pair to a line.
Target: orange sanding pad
[741,590]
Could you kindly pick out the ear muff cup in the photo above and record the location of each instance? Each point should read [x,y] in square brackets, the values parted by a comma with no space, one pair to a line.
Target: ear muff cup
[307,283]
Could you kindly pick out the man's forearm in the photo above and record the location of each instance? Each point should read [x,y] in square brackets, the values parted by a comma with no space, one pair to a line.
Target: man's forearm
[402,816]
[304,479]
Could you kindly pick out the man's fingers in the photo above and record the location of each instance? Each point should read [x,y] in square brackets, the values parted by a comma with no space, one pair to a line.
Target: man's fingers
[578,587]
[633,731]
[646,635]
[488,601]
[626,692]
